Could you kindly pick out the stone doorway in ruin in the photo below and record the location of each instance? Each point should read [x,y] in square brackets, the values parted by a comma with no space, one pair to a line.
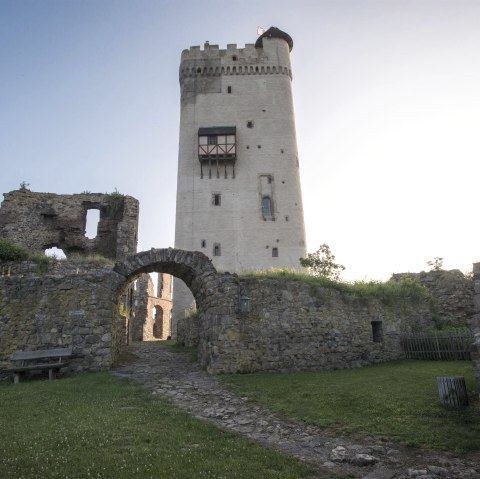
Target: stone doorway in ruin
[144,315]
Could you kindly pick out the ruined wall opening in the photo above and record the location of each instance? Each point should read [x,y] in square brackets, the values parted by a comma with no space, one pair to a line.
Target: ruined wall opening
[91,223]
[158,322]
[55,252]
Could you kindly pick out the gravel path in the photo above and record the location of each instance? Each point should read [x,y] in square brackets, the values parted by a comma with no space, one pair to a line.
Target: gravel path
[172,375]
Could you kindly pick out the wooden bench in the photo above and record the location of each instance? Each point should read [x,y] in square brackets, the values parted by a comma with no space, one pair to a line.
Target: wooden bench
[50,360]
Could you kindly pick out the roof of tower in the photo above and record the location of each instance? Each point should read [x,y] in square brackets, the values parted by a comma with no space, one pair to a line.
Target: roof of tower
[274,32]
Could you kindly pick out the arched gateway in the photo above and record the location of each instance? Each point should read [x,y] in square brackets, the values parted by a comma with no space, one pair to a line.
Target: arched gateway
[216,295]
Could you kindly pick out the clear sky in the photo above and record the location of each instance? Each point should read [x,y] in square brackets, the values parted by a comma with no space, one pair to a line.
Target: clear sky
[387,97]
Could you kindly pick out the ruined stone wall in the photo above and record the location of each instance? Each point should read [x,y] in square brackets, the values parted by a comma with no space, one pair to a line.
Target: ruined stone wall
[151,314]
[475,323]
[452,293]
[70,305]
[38,221]
[293,326]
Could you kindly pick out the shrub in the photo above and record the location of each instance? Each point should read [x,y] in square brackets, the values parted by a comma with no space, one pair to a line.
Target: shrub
[11,252]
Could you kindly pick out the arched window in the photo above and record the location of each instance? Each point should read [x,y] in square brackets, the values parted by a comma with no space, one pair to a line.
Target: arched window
[267,207]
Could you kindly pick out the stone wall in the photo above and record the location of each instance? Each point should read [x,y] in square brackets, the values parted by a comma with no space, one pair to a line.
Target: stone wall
[151,313]
[68,306]
[38,221]
[294,326]
[452,293]
[475,323]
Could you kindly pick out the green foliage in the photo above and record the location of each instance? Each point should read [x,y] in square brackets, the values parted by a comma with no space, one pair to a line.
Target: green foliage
[397,400]
[115,203]
[90,258]
[388,292]
[107,427]
[436,264]
[42,262]
[322,263]
[11,252]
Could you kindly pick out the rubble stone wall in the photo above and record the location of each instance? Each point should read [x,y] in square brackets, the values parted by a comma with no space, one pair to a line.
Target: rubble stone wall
[38,221]
[452,293]
[294,326]
[68,306]
[475,323]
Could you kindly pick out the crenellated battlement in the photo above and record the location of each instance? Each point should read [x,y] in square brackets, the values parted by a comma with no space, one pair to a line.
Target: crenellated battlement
[198,71]
[273,58]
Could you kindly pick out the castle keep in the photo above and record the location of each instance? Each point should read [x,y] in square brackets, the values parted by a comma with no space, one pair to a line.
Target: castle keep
[238,190]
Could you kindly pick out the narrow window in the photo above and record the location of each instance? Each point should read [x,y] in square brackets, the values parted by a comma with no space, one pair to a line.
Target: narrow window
[266,207]
[91,223]
[217,250]
[212,140]
[229,89]
[216,199]
[204,244]
[274,252]
[249,124]
[377,331]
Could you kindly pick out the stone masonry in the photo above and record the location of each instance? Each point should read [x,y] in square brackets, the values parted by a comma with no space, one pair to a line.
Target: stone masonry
[151,313]
[243,324]
[475,323]
[60,221]
[452,293]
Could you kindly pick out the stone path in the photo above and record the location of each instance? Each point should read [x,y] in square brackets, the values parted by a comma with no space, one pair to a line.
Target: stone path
[173,376]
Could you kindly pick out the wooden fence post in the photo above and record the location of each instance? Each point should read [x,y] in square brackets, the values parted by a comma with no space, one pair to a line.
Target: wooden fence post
[452,391]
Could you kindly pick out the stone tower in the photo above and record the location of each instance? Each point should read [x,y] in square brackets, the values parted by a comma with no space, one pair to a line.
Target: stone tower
[238,190]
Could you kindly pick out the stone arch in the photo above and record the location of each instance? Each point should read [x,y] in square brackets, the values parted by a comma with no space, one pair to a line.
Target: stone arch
[192,267]
[216,296]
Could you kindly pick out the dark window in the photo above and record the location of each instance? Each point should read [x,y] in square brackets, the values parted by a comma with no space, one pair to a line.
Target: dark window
[266,207]
[377,331]
[217,251]
[217,199]
[229,89]
[204,244]
[275,252]
[234,58]
[249,124]
[212,140]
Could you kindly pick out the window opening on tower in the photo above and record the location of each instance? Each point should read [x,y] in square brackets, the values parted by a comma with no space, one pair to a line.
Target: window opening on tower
[267,207]
[216,199]
[217,251]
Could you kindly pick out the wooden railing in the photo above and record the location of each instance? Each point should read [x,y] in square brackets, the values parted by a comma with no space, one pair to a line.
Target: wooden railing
[440,345]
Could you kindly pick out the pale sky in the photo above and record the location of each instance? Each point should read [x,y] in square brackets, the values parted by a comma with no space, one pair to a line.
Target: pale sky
[387,98]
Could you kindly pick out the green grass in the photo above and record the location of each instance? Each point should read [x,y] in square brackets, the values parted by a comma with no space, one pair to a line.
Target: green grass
[97,425]
[386,291]
[397,400]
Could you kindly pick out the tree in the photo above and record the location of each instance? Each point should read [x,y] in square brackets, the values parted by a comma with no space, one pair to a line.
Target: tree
[322,263]
[436,264]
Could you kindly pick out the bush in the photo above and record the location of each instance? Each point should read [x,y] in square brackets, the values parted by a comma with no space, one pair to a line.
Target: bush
[11,252]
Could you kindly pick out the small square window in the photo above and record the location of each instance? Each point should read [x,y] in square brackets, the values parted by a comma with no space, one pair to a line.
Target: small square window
[234,58]
[274,252]
[212,140]
[249,124]
[216,199]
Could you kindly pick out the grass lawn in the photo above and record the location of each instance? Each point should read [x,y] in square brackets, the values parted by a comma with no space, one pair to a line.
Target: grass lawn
[397,400]
[97,425]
